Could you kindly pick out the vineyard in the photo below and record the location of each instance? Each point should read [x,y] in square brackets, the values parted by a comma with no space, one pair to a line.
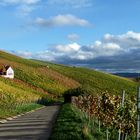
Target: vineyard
[34,83]
[114,113]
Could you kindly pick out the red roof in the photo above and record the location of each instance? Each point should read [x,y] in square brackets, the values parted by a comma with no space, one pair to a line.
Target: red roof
[6,67]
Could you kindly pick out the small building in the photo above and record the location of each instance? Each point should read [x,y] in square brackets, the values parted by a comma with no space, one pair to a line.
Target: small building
[7,72]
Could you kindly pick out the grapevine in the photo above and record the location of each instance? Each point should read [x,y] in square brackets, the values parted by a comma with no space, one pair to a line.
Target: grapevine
[108,109]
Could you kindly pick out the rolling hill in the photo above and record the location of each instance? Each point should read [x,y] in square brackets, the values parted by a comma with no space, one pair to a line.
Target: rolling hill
[37,80]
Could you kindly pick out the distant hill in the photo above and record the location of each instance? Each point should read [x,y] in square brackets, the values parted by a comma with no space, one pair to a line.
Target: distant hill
[128,75]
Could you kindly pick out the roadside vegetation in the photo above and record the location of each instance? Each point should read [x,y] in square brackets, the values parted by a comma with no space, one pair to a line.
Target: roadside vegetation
[88,117]
[68,126]
[72,124]
[18,98]
[19,109]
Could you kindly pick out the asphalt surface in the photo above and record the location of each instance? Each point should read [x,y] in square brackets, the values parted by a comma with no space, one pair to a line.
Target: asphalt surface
[33,126]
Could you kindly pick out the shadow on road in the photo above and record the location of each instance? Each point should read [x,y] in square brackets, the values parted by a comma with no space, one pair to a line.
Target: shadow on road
[33,126]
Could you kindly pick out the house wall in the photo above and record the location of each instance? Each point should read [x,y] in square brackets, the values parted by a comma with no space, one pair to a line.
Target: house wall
[9,73]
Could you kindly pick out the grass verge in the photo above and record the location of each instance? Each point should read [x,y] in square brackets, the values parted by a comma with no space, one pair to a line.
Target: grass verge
[72,124]
[18,110]
[68,126]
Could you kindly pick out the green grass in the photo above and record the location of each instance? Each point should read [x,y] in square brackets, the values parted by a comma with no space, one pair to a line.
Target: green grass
[72,124]
[18,110]
[68,126]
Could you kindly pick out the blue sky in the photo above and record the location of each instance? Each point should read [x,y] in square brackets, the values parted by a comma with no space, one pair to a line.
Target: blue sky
[92,33]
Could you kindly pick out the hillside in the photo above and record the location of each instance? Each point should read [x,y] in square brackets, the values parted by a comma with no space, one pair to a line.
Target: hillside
[34,82]
[37,81]
[37,74]
[94,81]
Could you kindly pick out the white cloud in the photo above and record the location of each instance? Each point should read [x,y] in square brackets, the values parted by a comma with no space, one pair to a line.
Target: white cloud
[25,54]
[82,55]
[23,7]
[73,37]
[99,49]
[27,2]
[71,3]
[61,20]
[68,48]
[24,10]
[112,52]
[98,43]
[74,51]
[128,40]
[112,46]
[45,55]
[131,35]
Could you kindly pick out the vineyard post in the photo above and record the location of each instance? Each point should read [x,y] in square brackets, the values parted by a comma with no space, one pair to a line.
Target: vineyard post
[98,112]
[122,104]
[107,137]
[123,97]
[138,115]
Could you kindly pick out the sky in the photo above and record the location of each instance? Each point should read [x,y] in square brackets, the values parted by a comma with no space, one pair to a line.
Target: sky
[103,35]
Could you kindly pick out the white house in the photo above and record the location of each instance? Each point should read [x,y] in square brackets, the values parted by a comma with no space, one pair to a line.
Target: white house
[7,72]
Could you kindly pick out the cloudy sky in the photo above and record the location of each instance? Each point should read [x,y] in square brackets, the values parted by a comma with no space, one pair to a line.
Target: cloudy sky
[103,35]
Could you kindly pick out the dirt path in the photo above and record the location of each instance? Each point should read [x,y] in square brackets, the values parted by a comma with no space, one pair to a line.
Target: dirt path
[32,126]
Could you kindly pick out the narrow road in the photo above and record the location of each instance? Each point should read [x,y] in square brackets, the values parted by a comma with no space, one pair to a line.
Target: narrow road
[33,126]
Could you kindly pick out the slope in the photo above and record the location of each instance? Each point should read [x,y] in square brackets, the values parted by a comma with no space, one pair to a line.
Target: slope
[96,82]
[37,74]
[38,81]
[34,82]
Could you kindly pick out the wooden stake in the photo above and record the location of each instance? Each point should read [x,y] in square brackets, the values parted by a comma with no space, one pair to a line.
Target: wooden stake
[107,138]
[138,115]
[98,111]
[123,98]
[122,104]
[119,138]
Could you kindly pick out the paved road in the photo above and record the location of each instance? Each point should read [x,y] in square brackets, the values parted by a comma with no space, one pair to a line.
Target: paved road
[32,126]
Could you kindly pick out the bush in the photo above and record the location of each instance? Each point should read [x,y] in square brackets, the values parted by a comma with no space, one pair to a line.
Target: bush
[45,100]
[74,92]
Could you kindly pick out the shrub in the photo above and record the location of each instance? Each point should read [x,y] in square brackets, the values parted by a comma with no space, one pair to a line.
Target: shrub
[74,92]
